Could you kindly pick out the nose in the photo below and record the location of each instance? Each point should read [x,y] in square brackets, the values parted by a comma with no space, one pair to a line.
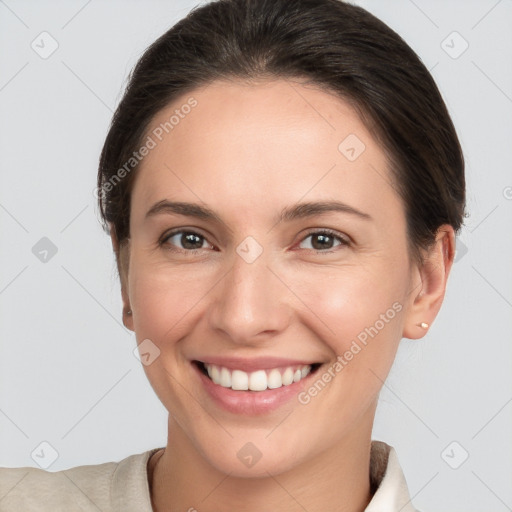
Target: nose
[251,303]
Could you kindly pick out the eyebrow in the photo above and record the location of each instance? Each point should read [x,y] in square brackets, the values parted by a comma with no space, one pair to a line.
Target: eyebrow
[288,214]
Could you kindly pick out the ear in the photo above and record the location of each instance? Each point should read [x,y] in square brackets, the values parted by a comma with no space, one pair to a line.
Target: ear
[122,252]
[429,283]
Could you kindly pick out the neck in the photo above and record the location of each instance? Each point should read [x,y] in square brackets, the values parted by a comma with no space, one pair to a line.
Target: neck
[337,479]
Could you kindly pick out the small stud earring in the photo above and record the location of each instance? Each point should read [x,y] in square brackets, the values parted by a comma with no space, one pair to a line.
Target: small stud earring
[423,325]
[129,312]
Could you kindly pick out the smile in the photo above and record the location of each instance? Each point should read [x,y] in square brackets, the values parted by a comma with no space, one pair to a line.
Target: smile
[259,380]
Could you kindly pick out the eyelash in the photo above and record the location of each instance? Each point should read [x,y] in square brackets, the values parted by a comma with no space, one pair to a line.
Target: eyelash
[343,241]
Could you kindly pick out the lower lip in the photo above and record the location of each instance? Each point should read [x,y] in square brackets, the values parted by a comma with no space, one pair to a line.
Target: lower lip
[251,403]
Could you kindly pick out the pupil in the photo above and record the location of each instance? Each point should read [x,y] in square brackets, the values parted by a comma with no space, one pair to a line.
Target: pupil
[188,241]
[325,238]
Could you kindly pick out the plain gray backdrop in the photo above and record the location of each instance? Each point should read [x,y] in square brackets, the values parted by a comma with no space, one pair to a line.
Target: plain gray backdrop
[68,375]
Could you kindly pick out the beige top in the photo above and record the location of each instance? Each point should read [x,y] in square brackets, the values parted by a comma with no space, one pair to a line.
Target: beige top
[123,486]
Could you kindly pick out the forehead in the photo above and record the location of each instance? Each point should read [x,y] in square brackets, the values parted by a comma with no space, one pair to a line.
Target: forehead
[262,144]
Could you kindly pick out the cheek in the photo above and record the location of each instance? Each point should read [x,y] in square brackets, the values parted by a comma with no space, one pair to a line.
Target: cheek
[357,313]
[164,297]
[361,324]
[165,301]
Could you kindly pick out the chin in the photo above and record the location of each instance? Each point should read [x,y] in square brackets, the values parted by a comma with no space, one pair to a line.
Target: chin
[260,469]
[250,456]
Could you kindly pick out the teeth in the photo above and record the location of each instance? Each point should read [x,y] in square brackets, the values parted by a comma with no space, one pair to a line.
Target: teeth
[274,379]
[287,377]
[225,378]
[239,380]
[259,380]
[215,375]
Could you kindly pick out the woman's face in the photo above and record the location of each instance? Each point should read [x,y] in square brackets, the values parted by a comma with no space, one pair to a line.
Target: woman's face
[264,283]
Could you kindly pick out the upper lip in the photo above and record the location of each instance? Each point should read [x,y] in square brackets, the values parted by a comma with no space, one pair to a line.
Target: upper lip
[254,364]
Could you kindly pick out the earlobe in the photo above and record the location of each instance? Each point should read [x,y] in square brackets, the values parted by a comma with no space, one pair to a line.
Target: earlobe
[127,310]
[433,275]
[120,251]
[128,318]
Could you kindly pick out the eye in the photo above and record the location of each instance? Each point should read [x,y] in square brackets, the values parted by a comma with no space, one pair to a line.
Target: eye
[323,240]
[187,241]
[190,241]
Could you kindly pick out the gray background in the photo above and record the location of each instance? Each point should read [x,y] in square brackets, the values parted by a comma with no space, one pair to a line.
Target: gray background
[68,376]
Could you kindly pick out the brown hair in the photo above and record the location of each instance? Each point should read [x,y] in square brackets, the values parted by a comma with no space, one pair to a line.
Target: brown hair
[340,47]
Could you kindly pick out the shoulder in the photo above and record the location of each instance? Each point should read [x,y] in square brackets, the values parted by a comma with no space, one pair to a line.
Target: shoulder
[78,488]
[81,488]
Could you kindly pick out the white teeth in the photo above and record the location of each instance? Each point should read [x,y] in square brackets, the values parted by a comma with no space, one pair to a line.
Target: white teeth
[239,380]
[274,379]
[287,377]
[216,374]
[258,380]
[225,378]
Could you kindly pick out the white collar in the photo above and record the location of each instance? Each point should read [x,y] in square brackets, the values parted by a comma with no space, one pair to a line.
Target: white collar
[392,494]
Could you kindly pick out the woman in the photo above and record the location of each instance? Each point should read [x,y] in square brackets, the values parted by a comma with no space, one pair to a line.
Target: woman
[282,185]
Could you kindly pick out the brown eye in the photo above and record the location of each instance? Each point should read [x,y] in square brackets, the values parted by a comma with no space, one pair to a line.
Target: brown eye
[324,241]
[184,240]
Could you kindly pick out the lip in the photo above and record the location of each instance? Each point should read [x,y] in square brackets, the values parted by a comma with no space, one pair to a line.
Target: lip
[251,403]
[254,364]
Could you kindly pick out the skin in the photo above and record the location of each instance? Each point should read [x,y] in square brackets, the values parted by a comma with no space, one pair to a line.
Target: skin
[246,151]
